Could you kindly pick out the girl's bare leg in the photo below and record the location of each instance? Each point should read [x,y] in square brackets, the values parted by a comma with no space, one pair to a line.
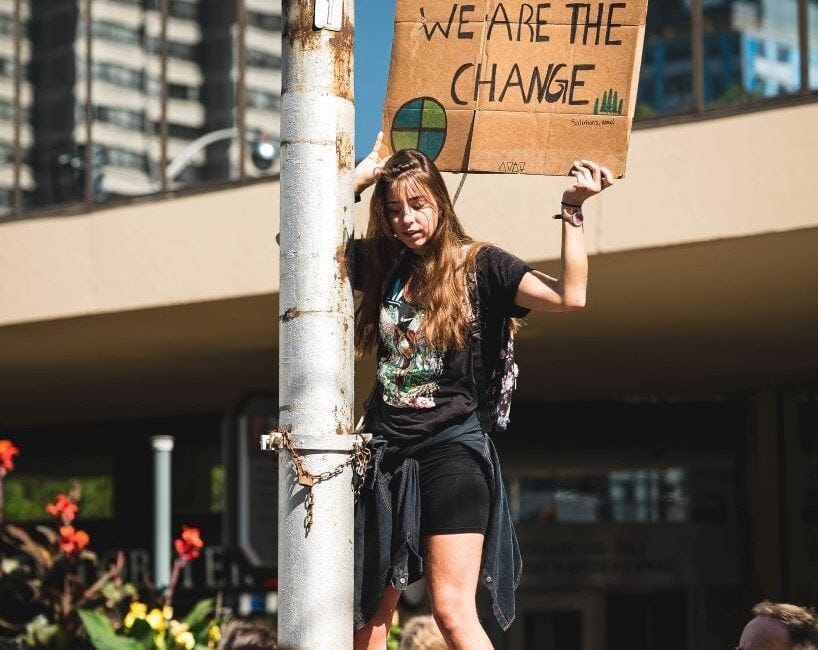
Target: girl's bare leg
[452,571]
[372,636]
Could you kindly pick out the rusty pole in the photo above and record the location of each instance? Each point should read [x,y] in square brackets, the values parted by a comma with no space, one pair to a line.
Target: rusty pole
[316,324]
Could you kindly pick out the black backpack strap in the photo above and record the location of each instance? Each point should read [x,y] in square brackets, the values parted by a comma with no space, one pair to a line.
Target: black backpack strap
[476,345]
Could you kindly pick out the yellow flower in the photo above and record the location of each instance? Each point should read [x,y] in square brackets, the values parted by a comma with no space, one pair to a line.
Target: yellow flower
[214,635]
[186,640]
[156,620]
[137,610]
[167,612]
[159,641]
[176,628]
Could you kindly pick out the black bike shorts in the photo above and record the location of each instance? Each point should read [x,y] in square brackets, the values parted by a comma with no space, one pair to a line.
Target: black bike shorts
[454,491]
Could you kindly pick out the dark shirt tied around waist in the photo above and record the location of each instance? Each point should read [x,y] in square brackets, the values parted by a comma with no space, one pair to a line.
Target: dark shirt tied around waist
[388,548]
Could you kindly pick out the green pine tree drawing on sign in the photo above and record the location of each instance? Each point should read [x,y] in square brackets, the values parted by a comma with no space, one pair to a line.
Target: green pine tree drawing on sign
[610,105]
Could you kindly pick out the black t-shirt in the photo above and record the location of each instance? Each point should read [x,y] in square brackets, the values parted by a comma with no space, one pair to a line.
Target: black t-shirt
[423,390]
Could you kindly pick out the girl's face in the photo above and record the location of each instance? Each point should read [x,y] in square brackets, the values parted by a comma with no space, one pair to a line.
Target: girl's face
[412,214]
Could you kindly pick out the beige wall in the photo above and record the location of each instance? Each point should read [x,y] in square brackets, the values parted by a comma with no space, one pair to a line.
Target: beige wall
[704,180]
[700,181]
[199,248]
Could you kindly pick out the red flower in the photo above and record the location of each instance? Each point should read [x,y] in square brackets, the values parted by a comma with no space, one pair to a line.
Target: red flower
[72,541]
[189,544]
[7,452]
[65,508]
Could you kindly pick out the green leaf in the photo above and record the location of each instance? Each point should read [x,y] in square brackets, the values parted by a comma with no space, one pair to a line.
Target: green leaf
[40,633]
[102,634]
[199,615]
[142,631]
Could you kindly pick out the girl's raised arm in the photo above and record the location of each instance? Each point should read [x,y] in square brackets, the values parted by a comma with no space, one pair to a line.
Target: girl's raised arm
[541,292]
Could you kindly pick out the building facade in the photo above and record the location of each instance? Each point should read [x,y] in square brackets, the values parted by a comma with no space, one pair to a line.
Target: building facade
[662,460]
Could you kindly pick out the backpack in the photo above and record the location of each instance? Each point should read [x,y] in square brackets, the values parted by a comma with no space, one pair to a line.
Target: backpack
[496,383]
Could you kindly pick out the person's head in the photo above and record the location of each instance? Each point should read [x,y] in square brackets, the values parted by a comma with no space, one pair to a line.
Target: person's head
[248,635]
[411,213]
[422,633]
[411,204]
[780,626]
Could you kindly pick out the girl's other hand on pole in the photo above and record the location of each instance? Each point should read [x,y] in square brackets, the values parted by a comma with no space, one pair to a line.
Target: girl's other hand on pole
[368,170]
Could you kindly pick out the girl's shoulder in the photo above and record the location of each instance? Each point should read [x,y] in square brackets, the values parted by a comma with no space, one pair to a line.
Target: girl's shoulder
[490,257]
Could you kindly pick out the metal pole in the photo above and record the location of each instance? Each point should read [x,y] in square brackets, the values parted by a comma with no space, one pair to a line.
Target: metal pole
[162,448]
[316,326]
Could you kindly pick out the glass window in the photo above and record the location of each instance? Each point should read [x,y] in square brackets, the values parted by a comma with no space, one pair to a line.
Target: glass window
[263,87]
[261,59]
[751,50]
[209,114]
[666,77]
[6,25]
[26,495]
[125,97]
[647,621]
[122,117]
[643,496]
[812,33]
[118,33]
[553,629]
[125,102]
[202,459]
[176,49]
[53,132]
[6,117]
[186,9]
[266,18]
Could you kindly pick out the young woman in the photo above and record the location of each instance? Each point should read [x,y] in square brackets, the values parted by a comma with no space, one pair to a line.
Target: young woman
[436,306]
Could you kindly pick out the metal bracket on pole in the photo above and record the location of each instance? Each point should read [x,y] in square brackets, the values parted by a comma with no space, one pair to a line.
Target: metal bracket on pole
[329,14]
[274,441]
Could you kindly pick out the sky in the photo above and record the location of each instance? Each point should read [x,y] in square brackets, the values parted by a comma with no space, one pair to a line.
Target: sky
[373,43]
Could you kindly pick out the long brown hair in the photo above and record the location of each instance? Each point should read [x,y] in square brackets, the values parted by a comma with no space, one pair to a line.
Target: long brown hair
[437,279]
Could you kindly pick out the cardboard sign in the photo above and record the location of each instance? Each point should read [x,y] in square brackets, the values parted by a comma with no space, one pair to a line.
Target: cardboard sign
[514,87]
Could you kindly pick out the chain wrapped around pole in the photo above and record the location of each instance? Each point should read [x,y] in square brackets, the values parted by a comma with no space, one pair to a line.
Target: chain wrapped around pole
[359,458]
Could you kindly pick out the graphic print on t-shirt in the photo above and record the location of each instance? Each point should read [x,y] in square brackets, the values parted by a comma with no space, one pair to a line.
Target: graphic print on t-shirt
[410,369]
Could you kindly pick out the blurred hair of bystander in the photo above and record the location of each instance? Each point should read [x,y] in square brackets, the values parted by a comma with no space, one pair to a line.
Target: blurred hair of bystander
[780,626]
[422,633]
[248,635]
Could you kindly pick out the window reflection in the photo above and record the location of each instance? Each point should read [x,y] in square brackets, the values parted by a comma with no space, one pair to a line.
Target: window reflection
[639,496]
[666,77]
[812,36]
[125,79]
[263,83]
[751,50]
[126,100]
[6,115]
[53,132]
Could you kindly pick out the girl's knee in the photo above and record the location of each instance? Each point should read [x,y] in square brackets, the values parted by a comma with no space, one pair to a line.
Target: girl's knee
[453,611]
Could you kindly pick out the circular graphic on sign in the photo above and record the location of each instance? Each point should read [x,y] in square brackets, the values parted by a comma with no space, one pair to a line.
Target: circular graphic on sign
[420,124]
